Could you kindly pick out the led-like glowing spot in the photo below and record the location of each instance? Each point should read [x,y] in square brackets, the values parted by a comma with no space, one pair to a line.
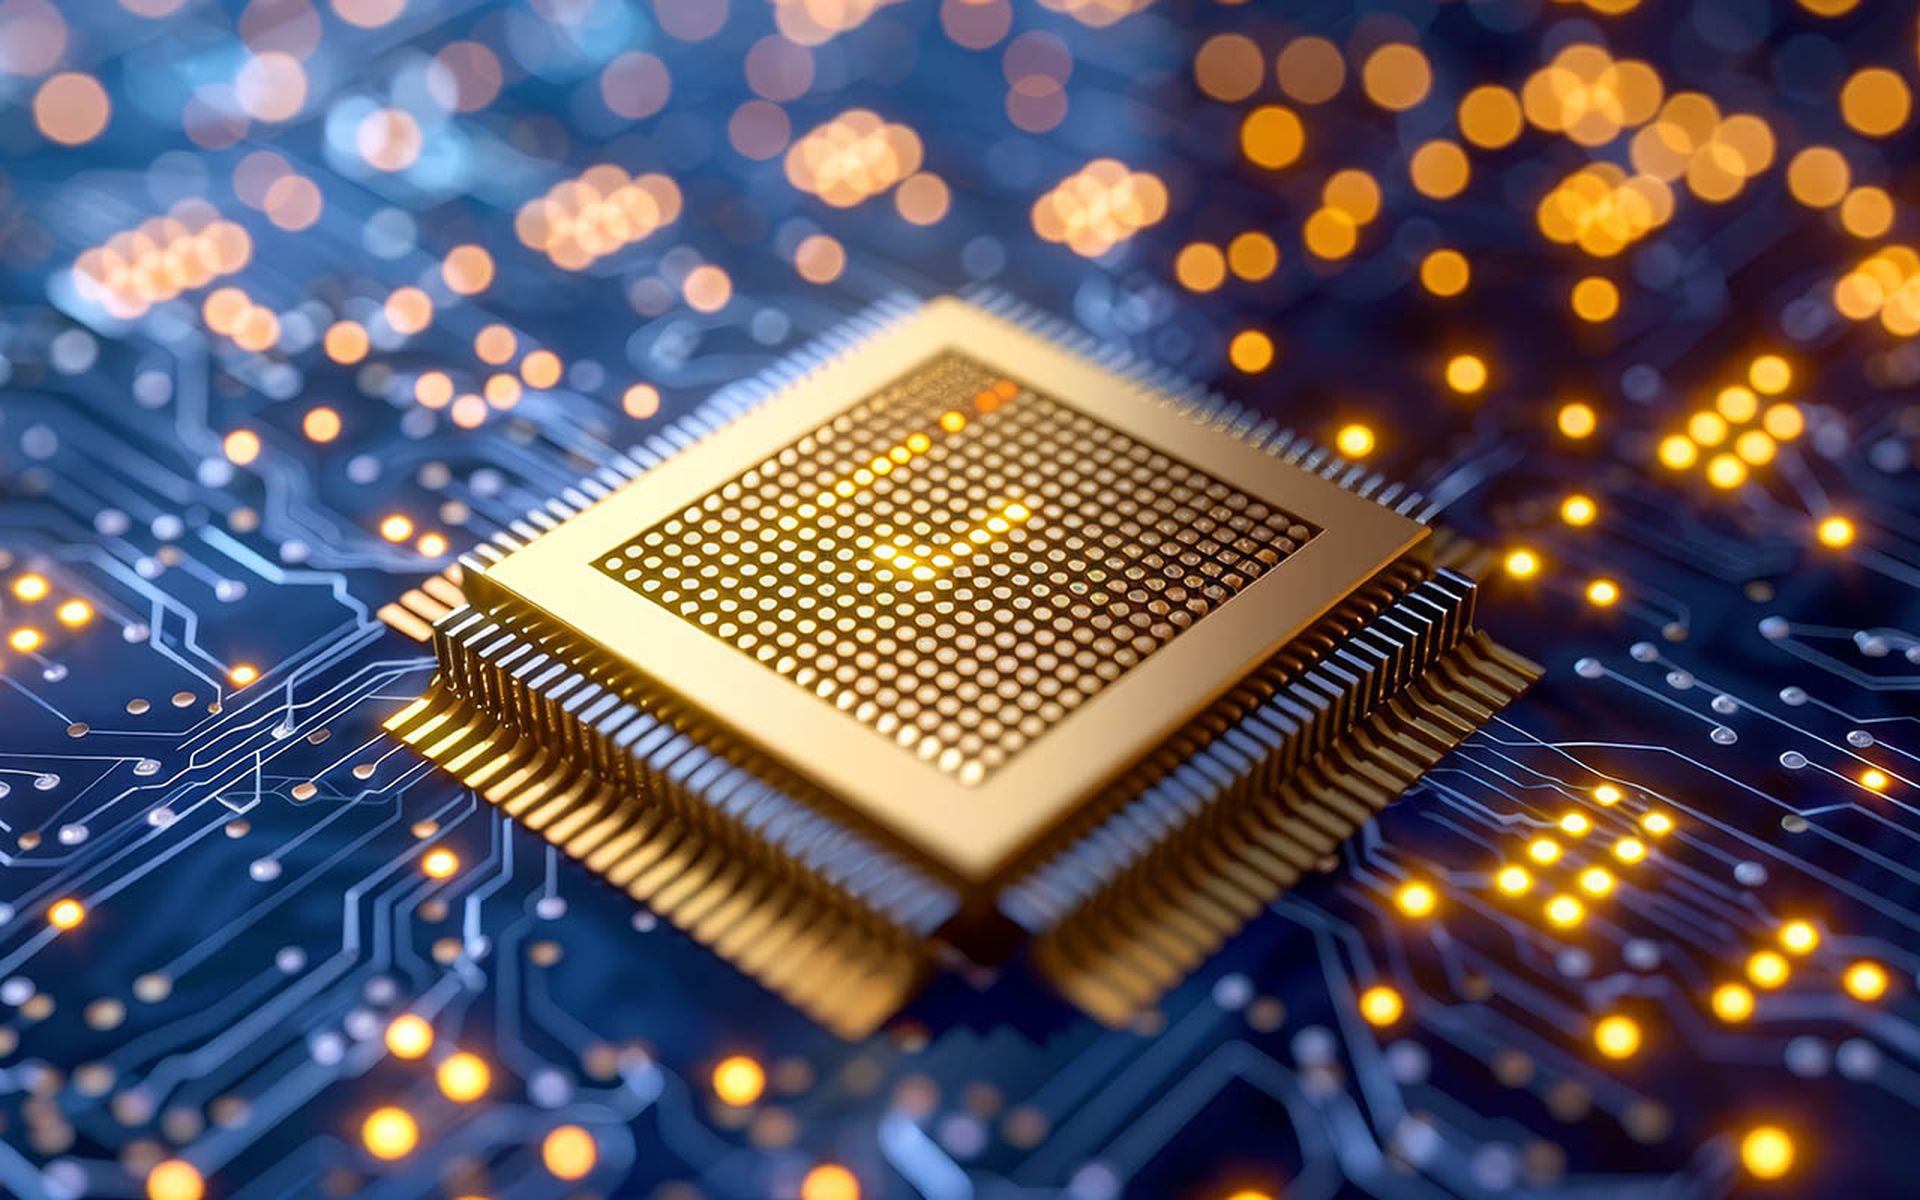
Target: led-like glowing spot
[1799,937]
[1564,911]
[390,1133]
[1578,510]
[409,1036]
[1630,850]
[1381,1005]
[1865,981]
[1544,851]
[1512,881]
[1766,1151]
[464,1077]
[440,863]
[1596,881]
[74,613]
[1874,779]
[243,674]
[1416,899]
[1836,532]
[1522,563]
[1732,1002]
[569,1152]
[1768,969]
[66,914]
[1354,441]
[1616,1036]
[396,528]
[31,588]
[739,1081]
[1466,374]
[1576,824]
[1657,823]
[1607,795]
[172,1179]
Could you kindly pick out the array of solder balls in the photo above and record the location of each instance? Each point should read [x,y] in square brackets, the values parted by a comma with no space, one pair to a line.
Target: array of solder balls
[957,561]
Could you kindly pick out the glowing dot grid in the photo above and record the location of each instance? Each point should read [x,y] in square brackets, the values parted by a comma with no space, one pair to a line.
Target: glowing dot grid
[957,561]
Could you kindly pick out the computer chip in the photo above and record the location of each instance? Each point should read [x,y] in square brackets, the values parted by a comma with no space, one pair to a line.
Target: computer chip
[962,639]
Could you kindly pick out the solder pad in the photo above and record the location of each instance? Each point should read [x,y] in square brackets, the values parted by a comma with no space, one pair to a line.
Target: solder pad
[959,578]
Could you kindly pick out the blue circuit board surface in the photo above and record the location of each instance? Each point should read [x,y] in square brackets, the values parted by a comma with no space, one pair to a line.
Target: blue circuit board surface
[302,299]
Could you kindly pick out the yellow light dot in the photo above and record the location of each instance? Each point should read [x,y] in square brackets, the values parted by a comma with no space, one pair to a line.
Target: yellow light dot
[1490,116]
[1352,192]
[1732,1002]
[1381,1005]
[640,401]
[1783,421]
[74,613]
[321,424]
[242,446]
[1866,981]
[1396,76]
[1466,374]
[1439,169]
[1818,177]
[1607,794]
[569,1152]
[1576,824]
[1603,593]
[396,528]
[1707,428]
[1512,881]
[409,1036]
[69,108]
[1596,881]
[1544,851]
[1766,1152]
[502,390]
[65,914]
[1416,899]
[1577,420]
[1330,233]
[1770,375]
[1726,471]
[1564,912]
[1354,441]
[1678,451]
[1445,272]
[1522,564]
[1616,1036]
[433,389]
[1595,298]
[1799,937]
[1867,212]
[1578,510]
[1253,256]
[1630,850]
[390,1133]
[172,1179]
[1200,267]
[1875,101]
[1271,136]
[1658,824]
[1875,779]
[243,674]
[541,369]
[464,1077]
[432,545]
[829,1181]
[739,1081]
[952,422]
[1835,532]
[1755,447]
[26,639]
[1251,351]
[440,863]
[494,344]
[345,341]
[1768,969]
[467,270]
[1736,403]
[31,588]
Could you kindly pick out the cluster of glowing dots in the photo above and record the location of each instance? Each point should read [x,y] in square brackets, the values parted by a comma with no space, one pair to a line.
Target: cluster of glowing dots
[33,589]
[160,259]
[1567,908]
[816,22]
[1716,155]
[1099,206]
[599,212]
[1589,97]
[233,314]
[1886,285]
[853,157]
[1349,202]
[1603,210]
[1742,430]
[1203,266]
[398,527]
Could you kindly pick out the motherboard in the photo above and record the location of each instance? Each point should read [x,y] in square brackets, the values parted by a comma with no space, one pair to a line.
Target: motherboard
[837,599]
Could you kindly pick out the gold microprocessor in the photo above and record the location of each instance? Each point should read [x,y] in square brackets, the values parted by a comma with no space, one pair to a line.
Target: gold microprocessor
[959,579]
[960,638]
